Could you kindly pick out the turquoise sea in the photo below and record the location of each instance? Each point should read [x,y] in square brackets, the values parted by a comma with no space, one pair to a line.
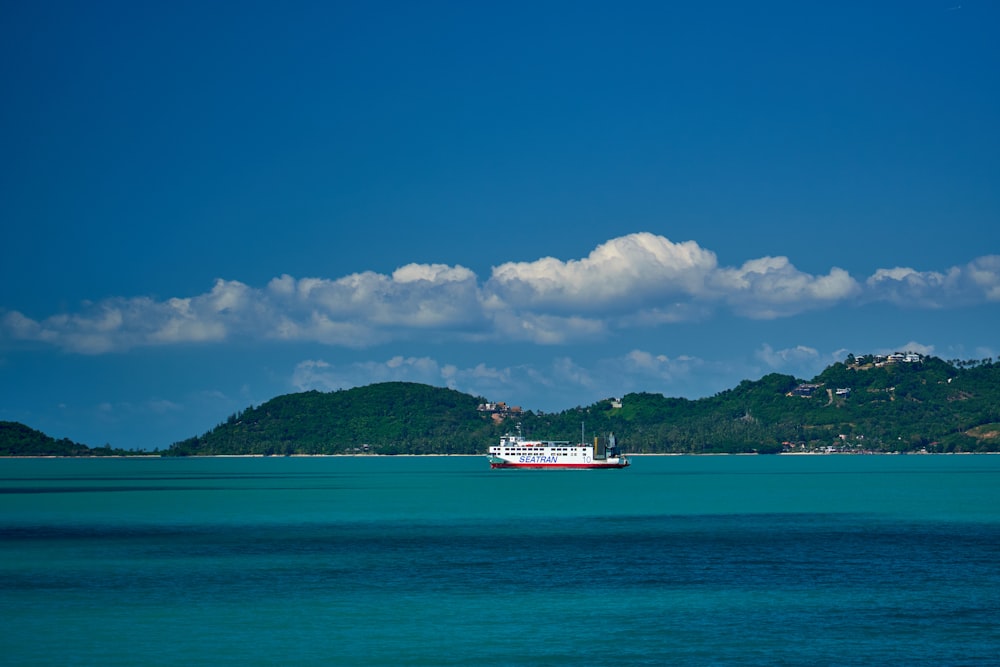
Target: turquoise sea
[724,560]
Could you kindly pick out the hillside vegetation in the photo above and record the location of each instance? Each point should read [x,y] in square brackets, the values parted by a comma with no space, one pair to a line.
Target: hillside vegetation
[930,405]
[926,406]
[859,405]
[18,440]
[387,418]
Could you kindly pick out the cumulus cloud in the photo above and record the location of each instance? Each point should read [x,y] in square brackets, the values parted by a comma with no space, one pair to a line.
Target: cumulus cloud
[545,329]
[772,287]
[788,357]
[360,309]
[975,282]
[651,279]
[621,273]
[905,286]
[660,366]
[120,323]
[638,280]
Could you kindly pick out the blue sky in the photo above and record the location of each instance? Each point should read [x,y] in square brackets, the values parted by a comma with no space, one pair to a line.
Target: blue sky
[206,205]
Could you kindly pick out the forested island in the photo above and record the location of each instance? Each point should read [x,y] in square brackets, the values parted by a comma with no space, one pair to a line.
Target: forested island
[16,439]
[904,403]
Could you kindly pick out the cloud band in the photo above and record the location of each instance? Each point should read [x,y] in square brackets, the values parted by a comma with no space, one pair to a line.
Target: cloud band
[638,280]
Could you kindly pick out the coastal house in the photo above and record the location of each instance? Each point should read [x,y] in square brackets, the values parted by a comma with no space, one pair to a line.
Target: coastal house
[499,410]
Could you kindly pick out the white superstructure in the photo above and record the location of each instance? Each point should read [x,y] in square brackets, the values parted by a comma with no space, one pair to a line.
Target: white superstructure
[517,452]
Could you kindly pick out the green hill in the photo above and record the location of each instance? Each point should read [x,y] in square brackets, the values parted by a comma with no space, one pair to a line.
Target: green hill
[19,440]
[387,418]
[927,405]
[860,405]
[863,404]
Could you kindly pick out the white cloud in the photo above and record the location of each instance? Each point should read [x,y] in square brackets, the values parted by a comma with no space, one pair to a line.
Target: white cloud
[659,366]
[619,274]
[316,374]
[772,287]
[413,297]
[905,286]
[566,370]
[975,282]
[984,273]
[638,280]
[789,358]
[546,329]
[433,274]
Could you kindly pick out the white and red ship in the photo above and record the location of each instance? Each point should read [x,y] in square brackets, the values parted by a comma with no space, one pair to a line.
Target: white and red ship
[517,452]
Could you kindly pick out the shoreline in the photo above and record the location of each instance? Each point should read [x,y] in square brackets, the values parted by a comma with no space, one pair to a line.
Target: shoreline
[403,456]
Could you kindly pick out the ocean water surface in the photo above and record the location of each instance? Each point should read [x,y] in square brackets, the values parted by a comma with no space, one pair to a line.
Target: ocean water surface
[727,560]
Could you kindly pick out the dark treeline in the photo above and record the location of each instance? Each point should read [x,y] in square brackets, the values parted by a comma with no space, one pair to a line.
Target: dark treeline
[18,440]
[386,418]
[858,405]
[862,404]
